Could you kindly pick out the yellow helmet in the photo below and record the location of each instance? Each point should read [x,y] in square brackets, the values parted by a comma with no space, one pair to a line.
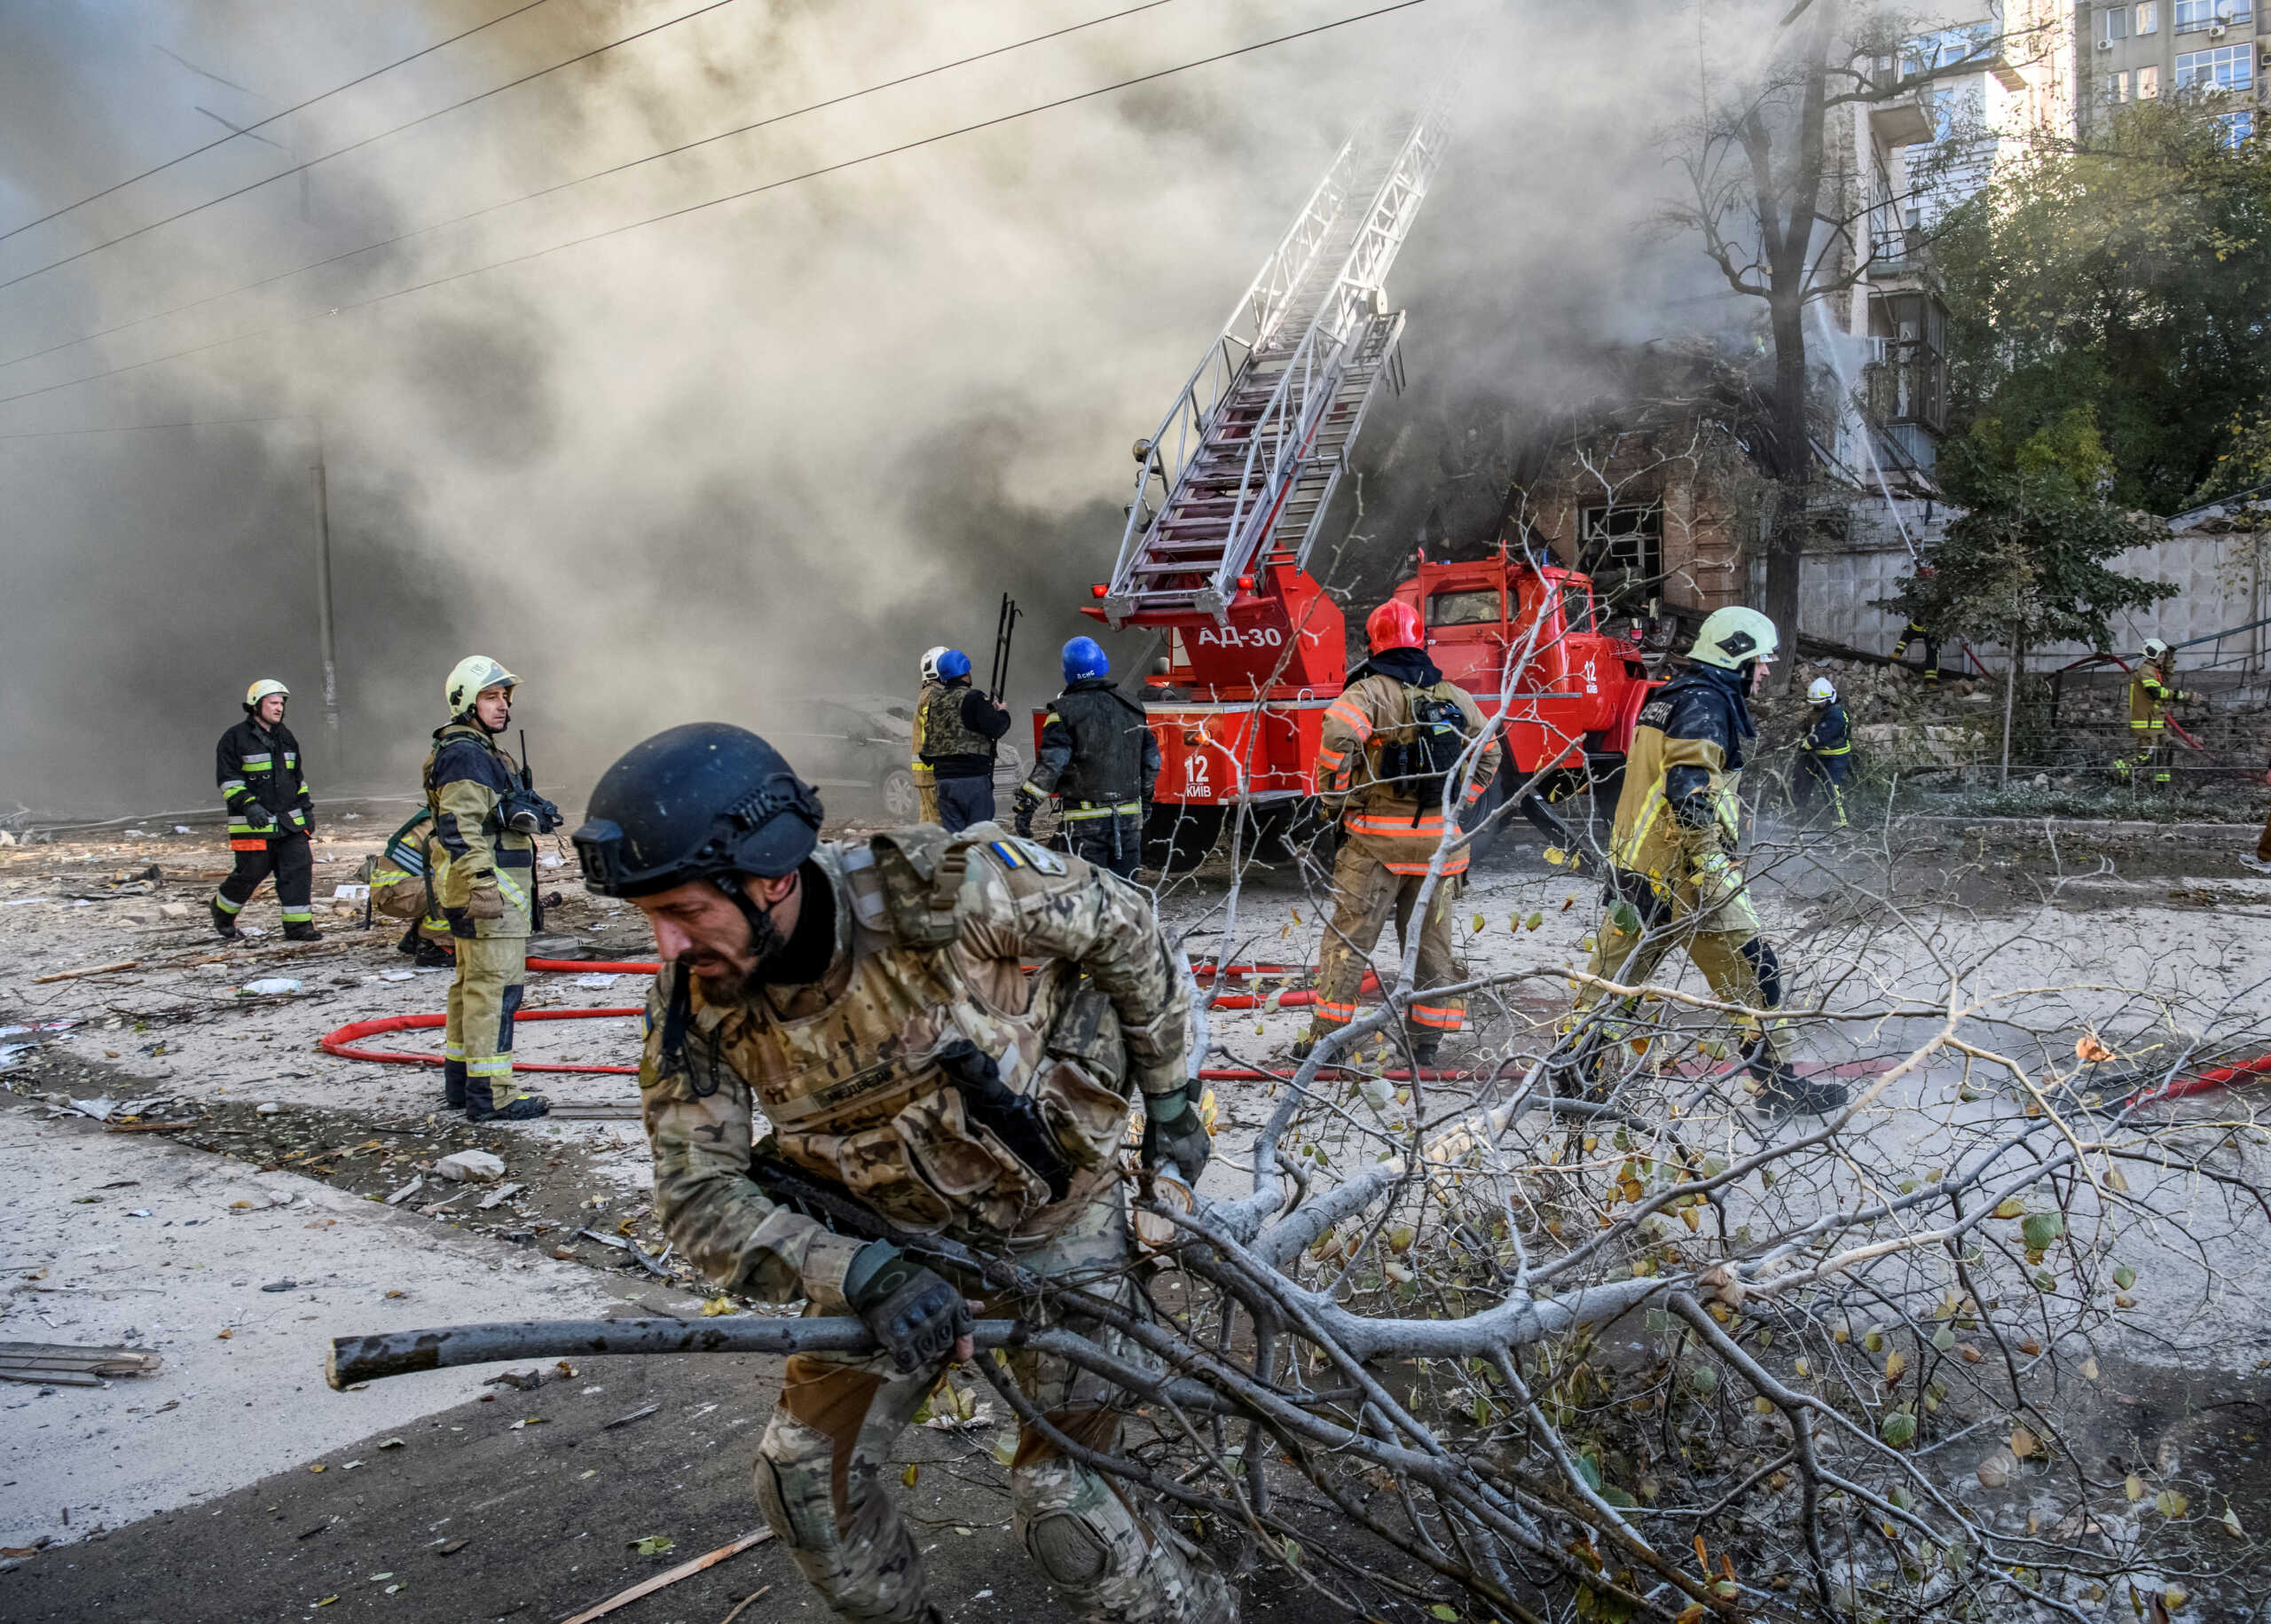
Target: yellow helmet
[470,676]
[1733,637]
[262,689]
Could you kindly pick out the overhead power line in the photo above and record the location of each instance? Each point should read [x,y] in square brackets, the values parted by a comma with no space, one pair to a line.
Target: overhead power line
[731,197]
[299,106]
[526,197]
[129,428]
[341,152]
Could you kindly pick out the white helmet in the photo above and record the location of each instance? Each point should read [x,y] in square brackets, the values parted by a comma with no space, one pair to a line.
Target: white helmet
[1731,639]
[2156,651]
[470,676]
[262,689]
[931,662]
[1820,691]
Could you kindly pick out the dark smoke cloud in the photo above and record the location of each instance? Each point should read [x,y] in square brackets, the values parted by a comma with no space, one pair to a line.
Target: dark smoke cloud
[768,449]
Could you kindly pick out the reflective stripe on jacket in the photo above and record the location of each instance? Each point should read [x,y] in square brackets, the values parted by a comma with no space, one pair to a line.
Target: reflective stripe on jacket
[1385,820]
[258,766]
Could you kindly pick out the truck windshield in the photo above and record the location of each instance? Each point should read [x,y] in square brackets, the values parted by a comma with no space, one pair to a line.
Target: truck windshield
[1577,608]
[1471,609]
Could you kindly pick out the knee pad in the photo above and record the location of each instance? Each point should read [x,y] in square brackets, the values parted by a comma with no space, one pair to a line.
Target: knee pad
[1767,968]
[1067,1551]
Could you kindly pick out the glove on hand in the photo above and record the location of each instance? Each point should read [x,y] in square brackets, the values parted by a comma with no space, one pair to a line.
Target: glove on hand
[1029,802]
[485,902]
[1174,1131]
[257,817]
[916,1315]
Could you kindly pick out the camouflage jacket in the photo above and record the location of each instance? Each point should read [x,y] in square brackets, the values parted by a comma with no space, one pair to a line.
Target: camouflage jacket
[933,932]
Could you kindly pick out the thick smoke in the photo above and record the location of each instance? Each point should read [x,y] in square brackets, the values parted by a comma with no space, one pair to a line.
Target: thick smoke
[763,451]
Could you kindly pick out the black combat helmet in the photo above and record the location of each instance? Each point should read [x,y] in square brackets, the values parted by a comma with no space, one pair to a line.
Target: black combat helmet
[700,802]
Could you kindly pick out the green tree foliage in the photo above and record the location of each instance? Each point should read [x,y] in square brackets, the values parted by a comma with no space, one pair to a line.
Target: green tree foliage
[2028,562]
[2131,277]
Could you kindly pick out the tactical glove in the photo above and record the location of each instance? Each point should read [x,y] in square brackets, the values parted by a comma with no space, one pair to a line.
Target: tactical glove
[914,1314]
[1174,1131]
[1029,802]
[256,817]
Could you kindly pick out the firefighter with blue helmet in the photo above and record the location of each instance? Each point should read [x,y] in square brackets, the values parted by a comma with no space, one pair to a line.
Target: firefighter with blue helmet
[958,728]
[1098,757]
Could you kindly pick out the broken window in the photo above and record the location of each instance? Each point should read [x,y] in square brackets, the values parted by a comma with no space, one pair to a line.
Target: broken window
[1907,377]
[1623,549]
[1471,609]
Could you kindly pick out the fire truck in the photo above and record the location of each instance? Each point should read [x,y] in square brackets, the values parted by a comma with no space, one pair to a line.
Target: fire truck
[1231,495]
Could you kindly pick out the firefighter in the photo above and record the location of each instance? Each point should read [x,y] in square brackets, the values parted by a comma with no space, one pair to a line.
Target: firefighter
[1098,756]
[1914,632]
[807,993]
[1673,880]
[257,765]
[486,888]
[959,727]
[926,787]
[2152,690]
[1385,750]
[401,878]
[1826,754]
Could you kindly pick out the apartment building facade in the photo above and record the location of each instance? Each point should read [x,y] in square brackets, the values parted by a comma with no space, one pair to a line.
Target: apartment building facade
[2141,49]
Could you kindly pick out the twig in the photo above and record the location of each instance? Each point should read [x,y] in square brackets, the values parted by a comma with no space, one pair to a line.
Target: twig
[684,1570]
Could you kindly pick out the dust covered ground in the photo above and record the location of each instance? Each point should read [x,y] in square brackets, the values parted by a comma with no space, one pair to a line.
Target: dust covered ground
[186,1172]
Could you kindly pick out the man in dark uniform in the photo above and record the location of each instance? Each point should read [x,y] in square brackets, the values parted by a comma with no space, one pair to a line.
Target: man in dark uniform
[959,727]
[1826,754]
[257,765]
[1098,756]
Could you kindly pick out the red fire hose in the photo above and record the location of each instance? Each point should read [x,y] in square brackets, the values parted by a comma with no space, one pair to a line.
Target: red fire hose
[343,1041]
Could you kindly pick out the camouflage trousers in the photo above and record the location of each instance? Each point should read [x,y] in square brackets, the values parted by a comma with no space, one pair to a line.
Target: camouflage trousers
[1107,1552]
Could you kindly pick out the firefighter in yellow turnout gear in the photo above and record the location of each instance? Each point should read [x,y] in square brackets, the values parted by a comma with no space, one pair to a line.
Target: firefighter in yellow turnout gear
[1373,760]
[2152,690]
[926,785]
[1673,881]
[486,826]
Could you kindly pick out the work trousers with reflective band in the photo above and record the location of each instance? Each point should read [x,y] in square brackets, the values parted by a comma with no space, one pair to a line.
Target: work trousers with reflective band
[1818,773]
[485,996]
[1110,837]
[823,1467]
[926,793]
[1366,893]
[1720,936]
[1915,633]
[288,858]
[2148,754]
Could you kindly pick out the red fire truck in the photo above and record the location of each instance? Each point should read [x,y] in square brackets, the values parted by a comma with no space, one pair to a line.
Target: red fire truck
[1233,491]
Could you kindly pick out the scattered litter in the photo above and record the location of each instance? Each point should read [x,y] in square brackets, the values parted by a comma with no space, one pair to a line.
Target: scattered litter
[396,975]
[528,1421]
[347,891]
[10,1051]
[139,1212]
[63,1365]
[280,1285]
[269,1108]
[183,828]
[93,970]
[684,1570]
[104,1110]
[596,982]
[269,986]
[501,1194]
[407,1191]
[636,1414]
[471,1167]
[391,1443]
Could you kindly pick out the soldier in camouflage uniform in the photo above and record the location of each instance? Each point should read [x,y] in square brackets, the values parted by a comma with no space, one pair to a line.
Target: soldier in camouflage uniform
[867,999]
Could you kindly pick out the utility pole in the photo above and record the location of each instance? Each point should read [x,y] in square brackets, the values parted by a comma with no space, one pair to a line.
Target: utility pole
[324,630]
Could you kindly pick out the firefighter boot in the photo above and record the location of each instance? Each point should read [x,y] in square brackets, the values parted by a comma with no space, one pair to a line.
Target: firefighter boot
[1783,1093]
[453,1088]
[493,1100]
[302,930]
[224,924]
[1425,1050]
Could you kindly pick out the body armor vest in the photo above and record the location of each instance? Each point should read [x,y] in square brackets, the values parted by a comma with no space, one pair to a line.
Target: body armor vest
[944,731]
[1108,737]
[854,1090]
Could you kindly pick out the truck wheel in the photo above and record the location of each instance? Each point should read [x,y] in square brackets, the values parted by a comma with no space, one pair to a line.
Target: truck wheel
[1178,837]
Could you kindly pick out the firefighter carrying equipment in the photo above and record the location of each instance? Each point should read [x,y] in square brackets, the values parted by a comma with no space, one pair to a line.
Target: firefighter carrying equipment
[262,689]
[1395,624]
[270,815]
[1733,637]
[486,887]
[1826,754]
[2151,692]
[471,678]
[1099,757]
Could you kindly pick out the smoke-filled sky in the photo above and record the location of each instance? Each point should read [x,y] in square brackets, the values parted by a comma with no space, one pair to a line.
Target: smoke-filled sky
[771,447]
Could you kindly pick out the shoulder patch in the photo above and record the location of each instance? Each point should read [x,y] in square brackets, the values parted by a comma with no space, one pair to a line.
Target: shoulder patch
[1016,853]
[1656,713]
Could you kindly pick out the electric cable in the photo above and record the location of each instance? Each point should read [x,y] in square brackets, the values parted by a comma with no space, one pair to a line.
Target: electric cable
[633,163]
[246,129]
[745,192]
[341,152]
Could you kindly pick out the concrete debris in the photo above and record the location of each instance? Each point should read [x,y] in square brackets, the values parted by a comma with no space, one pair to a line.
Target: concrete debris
[269,986]
[62,1365]
[500,1195]
[407,1191]
[471,1166]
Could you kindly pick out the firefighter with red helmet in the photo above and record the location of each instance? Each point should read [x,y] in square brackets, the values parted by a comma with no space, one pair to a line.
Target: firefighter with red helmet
[1397,760]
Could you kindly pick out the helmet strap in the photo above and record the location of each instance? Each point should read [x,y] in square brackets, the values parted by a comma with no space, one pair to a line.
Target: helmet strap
[765,937]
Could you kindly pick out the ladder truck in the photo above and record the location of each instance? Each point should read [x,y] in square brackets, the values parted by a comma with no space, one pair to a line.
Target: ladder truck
[1231,499]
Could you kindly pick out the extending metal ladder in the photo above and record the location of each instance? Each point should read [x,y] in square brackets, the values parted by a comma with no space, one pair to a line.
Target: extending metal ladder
[1246,459]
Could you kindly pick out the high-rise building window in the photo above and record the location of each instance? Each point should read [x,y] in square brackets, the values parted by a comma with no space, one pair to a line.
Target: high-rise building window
[2192,14]
[2114,23]
[2225,68]
[2148,84]
[2236,127]
[2149,17]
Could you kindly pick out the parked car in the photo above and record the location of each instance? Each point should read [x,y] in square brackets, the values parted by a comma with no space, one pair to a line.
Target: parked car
[855,748]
